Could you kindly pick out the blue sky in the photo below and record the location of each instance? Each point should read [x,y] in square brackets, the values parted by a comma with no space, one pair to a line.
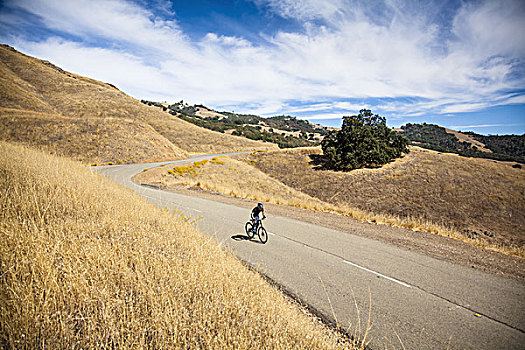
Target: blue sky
[460,64]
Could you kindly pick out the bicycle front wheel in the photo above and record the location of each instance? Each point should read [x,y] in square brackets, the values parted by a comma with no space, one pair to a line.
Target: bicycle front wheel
[263,235]
[249,229]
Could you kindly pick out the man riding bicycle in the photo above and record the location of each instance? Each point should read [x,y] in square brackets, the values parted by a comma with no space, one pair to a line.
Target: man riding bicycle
[256,212]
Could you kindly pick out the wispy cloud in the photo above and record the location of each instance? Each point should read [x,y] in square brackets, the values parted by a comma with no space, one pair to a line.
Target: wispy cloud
[118,21]
[481,126]
[469,57]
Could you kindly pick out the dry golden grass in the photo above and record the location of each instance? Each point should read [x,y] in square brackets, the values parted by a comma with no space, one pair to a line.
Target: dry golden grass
[85,263]
[195,139]
[29,84]
[93,140]
[440,193]
[233,178]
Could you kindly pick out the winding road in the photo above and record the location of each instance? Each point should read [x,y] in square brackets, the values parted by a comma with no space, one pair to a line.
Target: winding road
[417,302]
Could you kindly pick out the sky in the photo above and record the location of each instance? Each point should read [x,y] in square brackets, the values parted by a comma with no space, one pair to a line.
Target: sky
[459,64]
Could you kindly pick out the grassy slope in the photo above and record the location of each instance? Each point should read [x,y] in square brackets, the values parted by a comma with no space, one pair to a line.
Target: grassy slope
[32,85]
[98,140]
[199,140]
[78,271]
[465,193]
[231,177]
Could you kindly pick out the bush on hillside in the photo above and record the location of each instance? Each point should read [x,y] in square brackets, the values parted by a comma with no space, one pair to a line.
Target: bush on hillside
[363,141]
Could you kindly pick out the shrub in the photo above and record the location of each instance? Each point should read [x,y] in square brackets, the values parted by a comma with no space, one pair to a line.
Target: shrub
[364,140]
[189,169]
[215,160]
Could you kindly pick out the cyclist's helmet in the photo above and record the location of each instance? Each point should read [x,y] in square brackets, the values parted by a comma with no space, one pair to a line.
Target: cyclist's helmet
[260,205]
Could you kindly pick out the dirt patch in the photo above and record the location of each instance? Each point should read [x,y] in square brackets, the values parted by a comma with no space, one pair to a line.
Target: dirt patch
[206,113]
[466,138]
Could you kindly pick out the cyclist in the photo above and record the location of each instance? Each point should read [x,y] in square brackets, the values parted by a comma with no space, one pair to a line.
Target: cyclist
[256,212]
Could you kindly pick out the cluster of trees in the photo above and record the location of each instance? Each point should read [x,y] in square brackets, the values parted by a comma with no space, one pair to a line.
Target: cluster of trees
[509,145]
[283,141]
[249,126]
[435,137]
[289,123]
[430,136]
[156,104]
[363,141]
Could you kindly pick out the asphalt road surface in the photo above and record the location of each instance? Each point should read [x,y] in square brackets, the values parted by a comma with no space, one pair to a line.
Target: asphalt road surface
[417,302]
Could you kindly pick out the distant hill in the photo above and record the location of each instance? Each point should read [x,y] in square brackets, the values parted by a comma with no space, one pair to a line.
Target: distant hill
[43,106]
[470,144]
[285,131]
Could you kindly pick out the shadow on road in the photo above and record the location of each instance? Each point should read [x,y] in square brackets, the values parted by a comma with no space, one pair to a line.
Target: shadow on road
[244,238]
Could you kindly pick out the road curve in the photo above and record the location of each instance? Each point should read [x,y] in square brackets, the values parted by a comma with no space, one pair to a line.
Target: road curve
[418,302]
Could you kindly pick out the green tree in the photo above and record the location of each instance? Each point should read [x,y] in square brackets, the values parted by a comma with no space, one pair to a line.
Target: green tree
[364,140]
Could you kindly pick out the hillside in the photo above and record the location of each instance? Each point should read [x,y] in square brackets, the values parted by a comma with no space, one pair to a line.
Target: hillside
[36,95]
[435,137]
[480,199]
[285,131]
[81,272]
[94,140]
[231,177]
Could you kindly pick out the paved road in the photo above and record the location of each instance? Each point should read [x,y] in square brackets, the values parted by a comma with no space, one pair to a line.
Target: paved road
[418,302]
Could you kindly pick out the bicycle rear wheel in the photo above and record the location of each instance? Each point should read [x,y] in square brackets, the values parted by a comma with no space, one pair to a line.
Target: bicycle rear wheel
[263,235]
[249,229]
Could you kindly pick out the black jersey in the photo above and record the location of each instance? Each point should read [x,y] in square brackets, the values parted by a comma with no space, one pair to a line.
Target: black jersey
[256,211]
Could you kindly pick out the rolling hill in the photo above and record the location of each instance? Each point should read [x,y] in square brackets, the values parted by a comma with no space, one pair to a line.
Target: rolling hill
[284,130]
[44,106]
[469,144]
[290,132]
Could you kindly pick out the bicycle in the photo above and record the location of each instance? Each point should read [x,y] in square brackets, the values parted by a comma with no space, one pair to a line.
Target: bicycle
[261,231]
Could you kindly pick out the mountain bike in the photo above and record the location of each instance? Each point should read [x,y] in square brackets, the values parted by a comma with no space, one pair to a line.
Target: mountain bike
[261,231]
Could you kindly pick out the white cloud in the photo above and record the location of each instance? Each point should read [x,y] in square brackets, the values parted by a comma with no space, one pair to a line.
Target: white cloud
[359,51]
[481,126]
[517,99]
[324,116]
[493,28]
[115,20]
[313,107]
[464,107]
[305,9]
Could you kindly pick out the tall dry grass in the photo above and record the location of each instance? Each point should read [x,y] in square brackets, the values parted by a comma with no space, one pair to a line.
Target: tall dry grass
[85,263]
[91,140]
[233,178]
